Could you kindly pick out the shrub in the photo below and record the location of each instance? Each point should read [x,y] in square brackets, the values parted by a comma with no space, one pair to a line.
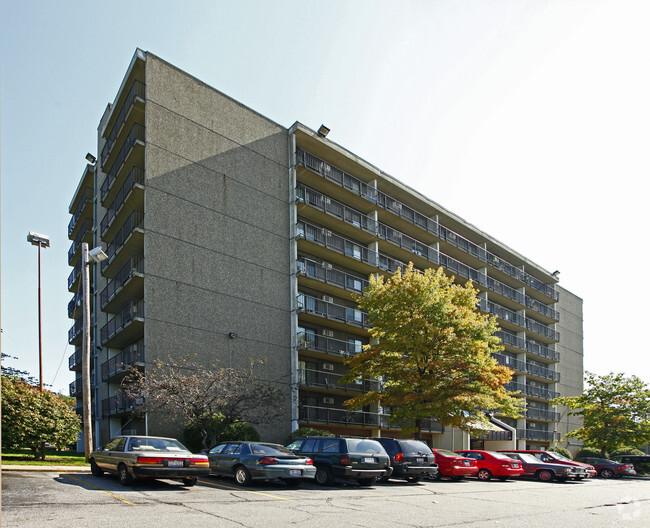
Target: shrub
[562,451]
[306,431]
[593,452]
[234,431]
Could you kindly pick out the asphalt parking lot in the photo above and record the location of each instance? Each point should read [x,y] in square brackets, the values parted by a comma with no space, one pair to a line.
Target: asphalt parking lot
[53,499]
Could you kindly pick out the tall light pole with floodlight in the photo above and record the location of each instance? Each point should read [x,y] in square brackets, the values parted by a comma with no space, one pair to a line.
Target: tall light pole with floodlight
[94,255]
[42,241]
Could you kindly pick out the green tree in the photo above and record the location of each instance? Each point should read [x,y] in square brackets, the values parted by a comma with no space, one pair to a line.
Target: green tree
[615,410]
[432,352]
[209,400]
[31,417]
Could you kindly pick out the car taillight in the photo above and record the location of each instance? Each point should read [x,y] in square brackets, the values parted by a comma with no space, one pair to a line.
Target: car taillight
[149,460]
[399,457]
[268,460]
[345,460]
[199,462]
[627,467]
[309,462]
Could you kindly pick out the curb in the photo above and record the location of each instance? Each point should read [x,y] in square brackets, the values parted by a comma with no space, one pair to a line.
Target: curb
[53,469]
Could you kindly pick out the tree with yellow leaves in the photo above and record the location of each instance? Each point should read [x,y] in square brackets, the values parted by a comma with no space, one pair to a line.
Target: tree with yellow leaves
[432,352]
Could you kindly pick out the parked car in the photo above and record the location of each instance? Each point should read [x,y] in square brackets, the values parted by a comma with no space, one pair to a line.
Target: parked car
[132,457]
[641,462]
[492,464]
[453,465]
[609,468]
[248,461]
[546,471]
[411,460]
[555,458]
[360,459]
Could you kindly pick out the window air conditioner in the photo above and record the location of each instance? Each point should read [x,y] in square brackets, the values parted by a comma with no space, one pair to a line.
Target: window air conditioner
[328,299]
[328,366]
[328,333]
[327,266]
[328,400]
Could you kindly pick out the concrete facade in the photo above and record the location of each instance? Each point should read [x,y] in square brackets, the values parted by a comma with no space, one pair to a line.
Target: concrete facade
[231,237]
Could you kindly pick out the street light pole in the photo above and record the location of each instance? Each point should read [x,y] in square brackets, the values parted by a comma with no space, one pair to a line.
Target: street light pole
[94,255]
[42,241]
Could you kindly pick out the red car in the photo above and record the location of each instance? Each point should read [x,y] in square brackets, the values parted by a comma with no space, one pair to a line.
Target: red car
[492,464]
[453,465]
[555,458]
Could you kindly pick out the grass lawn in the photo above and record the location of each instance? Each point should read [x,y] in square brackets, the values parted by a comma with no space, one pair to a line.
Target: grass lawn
[52,458]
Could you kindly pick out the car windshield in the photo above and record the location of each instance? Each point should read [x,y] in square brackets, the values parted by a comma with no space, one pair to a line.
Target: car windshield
[269,449]
[364,446]
[414,447]
[501,455]
[156,444]
[559,456]
[525,457]
[445,452]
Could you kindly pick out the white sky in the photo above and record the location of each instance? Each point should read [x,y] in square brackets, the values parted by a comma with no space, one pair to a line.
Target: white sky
[529,119]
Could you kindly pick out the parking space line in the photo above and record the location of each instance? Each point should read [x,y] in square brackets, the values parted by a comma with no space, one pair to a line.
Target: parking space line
[246,491]
[126,501]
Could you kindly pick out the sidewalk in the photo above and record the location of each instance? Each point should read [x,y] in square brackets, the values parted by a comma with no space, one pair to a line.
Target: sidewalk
[55,469]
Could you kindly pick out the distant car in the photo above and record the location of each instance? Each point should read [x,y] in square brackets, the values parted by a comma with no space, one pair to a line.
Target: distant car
[360,459]
[641,462]
[546,471]
[492,464]
[609,468]
[411,460]
[555,458]
[453,465]
[248,461]
[139,457]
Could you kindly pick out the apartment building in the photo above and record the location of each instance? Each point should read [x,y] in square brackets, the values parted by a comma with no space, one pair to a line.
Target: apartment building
[231,237]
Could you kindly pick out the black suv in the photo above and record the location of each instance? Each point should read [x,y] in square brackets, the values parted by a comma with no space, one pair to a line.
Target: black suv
[411,460]
[357,459]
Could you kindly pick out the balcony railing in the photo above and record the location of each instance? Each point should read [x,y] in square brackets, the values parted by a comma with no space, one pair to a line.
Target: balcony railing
[134,221]
[324,273]
[512,340]
[129,312]
[312,414]
[76,329]
[513,317]
[526,367]
[529,390]
[327,380]
[327,345]
[134,265]
[130,356]
[77,300]
[136,91]
[85,199]
[344,314]
[136,134]
[542,414]
[541,350]
[494,435]
[542,436]
[76,387]
[119,404]
[542,329]
[85,229]
[75,359]
[361,188]
[135,177]
[74,274]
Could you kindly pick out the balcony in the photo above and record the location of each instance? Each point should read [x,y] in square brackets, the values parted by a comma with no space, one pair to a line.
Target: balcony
[494,435]
[122,282]
[136,136]
[74,361]
[339,177]
[528,368]
[327,380]
[133,224]
[327,345]
[131,356]
[74,276]
[76,387]
[135,178]
[323,272]
[529,390]
[541,436]
[125,327]
[542,329]
[512,340]
[74,334]
[74,305]
[136,93]
[542,414]
[83,235]
[335,312]
[325,415]
[119,404]
[86,199]
[541,350]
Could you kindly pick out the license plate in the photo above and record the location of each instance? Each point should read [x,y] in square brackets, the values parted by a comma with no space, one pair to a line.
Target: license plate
[420,460]
[294,472]
[465,462]
[175,463]
[515,465]
[369,460]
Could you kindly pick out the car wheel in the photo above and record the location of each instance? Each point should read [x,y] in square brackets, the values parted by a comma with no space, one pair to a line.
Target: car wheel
[370,481]
[438,476]
[242,476]
[95,469]
[125,476]
[292,482]
[545,475]
[606,473]
[189,481]
[414,479]
[324,477]
[483,474]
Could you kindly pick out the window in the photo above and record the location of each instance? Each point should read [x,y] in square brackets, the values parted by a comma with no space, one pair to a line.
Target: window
[217,449]
[232,449]
[354,284]
[352,250]
[310,446]
[331,446]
